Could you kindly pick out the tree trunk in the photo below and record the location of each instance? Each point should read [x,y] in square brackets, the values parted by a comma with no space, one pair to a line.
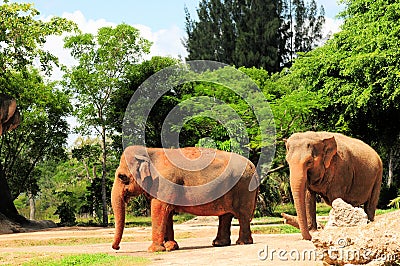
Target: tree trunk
[7,206]
[32,207]
[94,214]
[103,178]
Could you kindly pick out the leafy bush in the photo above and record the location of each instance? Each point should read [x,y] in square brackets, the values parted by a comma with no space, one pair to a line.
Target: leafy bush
[386,196]
[66,213]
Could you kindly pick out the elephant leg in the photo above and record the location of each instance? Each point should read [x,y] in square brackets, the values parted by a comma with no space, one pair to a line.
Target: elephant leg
[160,212]
[311,210]
[224,231]
[244,231]
[370,205]
[169,241]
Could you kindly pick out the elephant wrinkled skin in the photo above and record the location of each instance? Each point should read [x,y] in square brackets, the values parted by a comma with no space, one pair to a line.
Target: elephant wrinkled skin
[9,114]
[333,166]
[144,171]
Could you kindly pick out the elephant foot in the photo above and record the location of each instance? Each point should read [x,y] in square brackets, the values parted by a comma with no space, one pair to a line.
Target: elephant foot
[156,247]
[246,241]
[221,242]
[171,245]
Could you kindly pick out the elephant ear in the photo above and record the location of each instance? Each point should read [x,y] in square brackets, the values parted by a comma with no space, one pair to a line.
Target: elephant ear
[9,116]
[330,149]
[144,168]
[145,174]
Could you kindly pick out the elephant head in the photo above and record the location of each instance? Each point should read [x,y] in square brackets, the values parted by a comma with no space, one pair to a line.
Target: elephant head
[132,178]
[308,157]
[9,114]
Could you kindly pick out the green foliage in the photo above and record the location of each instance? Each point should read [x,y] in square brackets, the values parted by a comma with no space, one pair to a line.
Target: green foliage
[61,183]
[280,229]
[22,36]
[89,260]
[66,213]
[268,198]
[387,195]
[136,75]
[358,71]
[395,203]
[42,133]
[139,206]
[104,63]
[262,34]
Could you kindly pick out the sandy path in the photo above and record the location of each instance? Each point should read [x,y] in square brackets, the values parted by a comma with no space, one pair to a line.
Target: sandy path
[194,241]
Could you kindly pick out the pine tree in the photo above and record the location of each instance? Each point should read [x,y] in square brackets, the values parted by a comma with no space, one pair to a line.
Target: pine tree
[213,36]
[258,35]
[262,33]
[306,26]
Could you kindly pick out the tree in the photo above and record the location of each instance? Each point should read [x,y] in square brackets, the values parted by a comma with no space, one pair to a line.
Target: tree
[358,70]
[304,27]
[213,36]
[120,100]
[242,33]
[104,61]
[41,136]
[258,34]
[88,153]
[42,107]
[23,37]
[264,34]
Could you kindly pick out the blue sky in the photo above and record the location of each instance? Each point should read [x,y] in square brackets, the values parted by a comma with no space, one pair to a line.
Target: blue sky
[155,14]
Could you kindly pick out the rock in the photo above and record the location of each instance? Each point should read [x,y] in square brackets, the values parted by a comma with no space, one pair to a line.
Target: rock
[343,214]
[375,243]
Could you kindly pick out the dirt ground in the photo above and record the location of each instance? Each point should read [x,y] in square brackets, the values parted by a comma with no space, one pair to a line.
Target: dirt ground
[194,239]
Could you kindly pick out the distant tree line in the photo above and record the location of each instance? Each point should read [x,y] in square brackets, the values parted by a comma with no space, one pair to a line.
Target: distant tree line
[265,34]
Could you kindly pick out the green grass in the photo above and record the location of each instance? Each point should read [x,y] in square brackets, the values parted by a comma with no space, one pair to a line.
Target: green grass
[70,241]
[278,229]
[266,220]
[379,211]
[144,221]
[322,209]
[88,260]
[55,259]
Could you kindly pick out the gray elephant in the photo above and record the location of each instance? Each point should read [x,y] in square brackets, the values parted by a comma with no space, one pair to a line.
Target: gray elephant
[333,166]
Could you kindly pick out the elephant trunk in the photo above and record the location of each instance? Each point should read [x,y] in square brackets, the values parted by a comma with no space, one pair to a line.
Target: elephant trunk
[118,205]
[298,178]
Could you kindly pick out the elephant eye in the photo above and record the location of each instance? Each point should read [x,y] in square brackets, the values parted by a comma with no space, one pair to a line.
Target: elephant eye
[314,152]
[310,162]
[124,179]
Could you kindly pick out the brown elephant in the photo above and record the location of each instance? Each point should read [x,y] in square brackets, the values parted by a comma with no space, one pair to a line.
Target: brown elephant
[9,114]
[333,166]
[199,181]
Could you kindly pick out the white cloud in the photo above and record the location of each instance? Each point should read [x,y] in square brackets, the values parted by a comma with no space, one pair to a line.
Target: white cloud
[331,26]
[87,26]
